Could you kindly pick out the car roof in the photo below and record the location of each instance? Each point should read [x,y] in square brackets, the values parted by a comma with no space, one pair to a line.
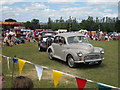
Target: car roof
[68,34]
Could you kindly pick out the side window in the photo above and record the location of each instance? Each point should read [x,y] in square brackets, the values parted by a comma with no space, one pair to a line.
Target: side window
[62,40]
[56,39]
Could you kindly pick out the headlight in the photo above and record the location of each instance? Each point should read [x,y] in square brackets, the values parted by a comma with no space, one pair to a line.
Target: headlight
[79,54]
[102,52]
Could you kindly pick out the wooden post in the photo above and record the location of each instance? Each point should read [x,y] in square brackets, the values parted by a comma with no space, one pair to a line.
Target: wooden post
[13,70]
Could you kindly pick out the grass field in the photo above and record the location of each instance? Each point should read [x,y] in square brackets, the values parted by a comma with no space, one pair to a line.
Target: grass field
[106,73]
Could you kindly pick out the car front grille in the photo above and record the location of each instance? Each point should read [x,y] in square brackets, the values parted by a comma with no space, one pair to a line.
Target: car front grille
[91,56]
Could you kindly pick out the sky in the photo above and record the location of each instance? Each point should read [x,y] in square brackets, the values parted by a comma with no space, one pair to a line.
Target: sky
[26,10]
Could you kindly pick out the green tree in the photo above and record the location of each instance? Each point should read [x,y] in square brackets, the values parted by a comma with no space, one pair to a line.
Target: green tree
[49,23]
[9,26]
[10,20]
[27,24]
[88,24]
[35,21]
[117,25]
[35,24]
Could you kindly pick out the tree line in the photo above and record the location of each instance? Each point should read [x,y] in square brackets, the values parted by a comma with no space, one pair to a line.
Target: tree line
[71,24]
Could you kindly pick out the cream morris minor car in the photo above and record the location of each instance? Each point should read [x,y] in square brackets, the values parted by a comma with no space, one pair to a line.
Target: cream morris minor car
[74,48]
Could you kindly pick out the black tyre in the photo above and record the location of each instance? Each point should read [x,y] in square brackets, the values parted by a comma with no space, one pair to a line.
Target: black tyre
[70,62]
[50,54]
[39,48]
[99,62]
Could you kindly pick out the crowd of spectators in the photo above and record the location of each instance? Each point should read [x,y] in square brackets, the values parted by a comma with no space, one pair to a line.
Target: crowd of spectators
[10,37]
[102,36]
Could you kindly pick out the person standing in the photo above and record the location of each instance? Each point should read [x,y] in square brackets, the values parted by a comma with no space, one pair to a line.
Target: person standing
[91,35]
[2,81]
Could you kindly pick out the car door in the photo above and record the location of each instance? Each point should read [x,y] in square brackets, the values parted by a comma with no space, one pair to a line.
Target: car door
[58,45]
[55,45]
[62,48]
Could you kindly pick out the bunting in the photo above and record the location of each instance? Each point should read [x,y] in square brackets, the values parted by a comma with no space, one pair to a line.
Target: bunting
[39,70]
[56,75]
[21,65]
[81,83]
[104,87]
[15,60]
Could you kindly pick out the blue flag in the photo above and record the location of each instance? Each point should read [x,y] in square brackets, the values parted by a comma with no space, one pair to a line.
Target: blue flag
[15,60]
[103,87]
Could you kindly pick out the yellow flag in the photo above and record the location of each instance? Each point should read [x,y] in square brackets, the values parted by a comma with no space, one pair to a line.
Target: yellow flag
[21,65]
[56,76]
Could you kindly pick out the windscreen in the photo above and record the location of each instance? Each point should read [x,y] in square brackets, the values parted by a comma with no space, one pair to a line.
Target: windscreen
[77,39]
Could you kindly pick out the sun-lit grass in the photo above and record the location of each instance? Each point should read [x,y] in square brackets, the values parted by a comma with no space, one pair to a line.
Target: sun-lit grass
[106,73]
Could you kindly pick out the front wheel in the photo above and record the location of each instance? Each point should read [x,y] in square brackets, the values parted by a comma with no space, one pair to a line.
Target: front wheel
[50,54]
[39,48]
[70,61]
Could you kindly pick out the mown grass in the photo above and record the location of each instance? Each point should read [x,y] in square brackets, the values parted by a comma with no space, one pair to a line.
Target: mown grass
[106,73]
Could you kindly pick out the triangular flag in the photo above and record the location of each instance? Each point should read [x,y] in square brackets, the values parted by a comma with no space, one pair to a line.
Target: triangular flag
[56,76]
[8,63]
[81,83]
[103,87]
[21,65]
[15,60]
[39,70]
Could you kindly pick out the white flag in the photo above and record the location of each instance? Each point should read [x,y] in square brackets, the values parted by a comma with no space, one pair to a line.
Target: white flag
[8,63]
[39,70]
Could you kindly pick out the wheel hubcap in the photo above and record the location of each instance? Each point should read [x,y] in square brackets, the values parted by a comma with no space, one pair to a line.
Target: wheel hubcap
[50,55]
[71,62]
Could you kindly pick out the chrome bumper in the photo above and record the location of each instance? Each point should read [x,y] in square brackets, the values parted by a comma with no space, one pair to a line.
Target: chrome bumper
[92,60]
